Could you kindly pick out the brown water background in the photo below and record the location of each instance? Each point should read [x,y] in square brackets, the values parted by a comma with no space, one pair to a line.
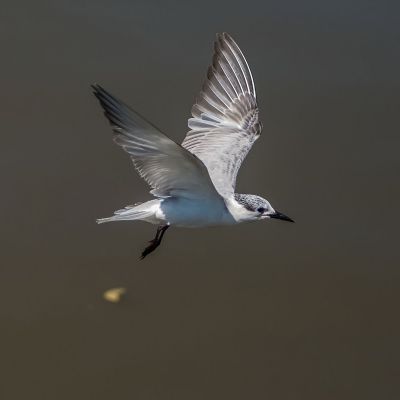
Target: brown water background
[260,311]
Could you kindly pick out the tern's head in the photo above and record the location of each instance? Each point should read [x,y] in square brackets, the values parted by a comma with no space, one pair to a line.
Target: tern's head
[255,207]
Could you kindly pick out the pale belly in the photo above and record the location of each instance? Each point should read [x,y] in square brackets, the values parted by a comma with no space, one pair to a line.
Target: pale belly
[193,213]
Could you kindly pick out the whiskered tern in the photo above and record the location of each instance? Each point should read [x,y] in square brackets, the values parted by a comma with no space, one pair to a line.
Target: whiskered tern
[194,183]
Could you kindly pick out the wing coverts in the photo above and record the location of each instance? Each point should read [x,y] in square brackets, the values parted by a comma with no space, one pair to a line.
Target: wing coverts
[225,116]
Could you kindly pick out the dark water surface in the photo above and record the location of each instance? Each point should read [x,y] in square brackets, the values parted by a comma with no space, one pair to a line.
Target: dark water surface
[260,311]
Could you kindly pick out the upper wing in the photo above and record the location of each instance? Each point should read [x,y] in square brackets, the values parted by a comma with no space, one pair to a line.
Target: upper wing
[166,166]
[225,117]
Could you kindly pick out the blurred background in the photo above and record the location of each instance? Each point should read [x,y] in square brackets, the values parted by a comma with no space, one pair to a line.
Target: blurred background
[259,311]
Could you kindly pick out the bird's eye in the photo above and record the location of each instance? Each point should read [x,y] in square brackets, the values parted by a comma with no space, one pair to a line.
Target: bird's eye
[261,209]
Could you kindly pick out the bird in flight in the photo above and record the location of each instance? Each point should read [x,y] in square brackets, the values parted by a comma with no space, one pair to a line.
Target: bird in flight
[194,183]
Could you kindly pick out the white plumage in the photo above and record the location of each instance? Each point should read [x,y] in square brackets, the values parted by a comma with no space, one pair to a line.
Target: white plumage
[194,183]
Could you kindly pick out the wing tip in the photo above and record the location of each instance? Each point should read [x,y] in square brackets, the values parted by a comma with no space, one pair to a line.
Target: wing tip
[107,101]
[99,91]
[224,37]
[95,87]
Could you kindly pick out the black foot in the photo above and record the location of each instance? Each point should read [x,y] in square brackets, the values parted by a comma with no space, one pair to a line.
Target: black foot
[153,244]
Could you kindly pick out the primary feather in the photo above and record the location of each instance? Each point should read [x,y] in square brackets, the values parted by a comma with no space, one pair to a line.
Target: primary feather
[225,116]
[166,166]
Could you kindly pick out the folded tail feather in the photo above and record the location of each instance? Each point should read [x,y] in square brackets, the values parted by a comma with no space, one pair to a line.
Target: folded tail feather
[139,211]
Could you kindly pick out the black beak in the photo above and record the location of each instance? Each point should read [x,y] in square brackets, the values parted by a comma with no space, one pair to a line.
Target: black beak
[279,215]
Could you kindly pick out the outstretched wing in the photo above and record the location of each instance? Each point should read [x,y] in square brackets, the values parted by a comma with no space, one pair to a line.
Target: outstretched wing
[225,117]
[166,166]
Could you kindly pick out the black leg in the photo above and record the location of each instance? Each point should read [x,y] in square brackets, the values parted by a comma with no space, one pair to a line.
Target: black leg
[153,244]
